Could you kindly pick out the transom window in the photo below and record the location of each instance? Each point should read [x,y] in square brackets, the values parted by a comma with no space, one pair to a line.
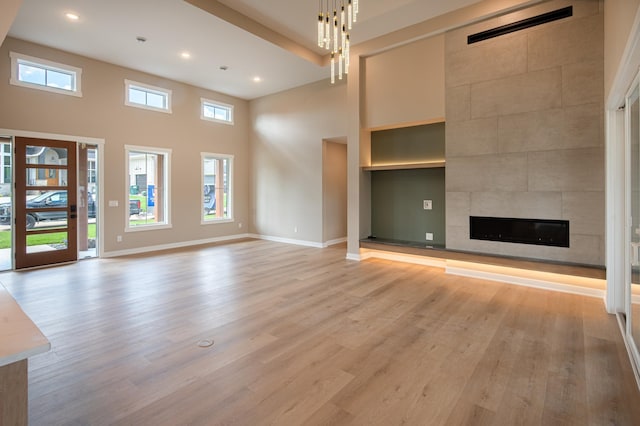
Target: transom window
[36,73]
[217,180]
[148,97]
[216,111]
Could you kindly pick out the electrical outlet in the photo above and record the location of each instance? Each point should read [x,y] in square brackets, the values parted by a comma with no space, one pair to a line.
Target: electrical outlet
[295,229]
[427,204]
[429,236]
[119,238]
[240,225]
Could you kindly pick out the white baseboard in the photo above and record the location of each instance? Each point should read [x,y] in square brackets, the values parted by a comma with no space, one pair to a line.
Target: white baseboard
[141,250]
[335,241]
[540,283]
[287,241]
[353,256]
[159,247]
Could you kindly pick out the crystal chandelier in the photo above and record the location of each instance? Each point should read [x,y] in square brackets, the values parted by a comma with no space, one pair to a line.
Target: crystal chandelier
[333,32]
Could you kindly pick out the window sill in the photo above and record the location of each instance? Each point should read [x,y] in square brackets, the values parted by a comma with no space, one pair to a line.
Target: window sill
[216,221]
[141,228]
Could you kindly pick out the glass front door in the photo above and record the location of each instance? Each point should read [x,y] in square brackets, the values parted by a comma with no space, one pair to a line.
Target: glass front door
[632,120]
[45,202]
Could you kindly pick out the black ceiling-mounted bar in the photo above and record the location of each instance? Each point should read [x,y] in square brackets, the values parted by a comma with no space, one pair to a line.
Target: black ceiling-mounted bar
[521,25]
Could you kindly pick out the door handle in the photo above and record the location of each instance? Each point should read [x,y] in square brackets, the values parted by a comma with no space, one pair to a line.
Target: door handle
[73,208]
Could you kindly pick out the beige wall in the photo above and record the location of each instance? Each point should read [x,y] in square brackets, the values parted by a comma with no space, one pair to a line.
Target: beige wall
[286,150]
[8,12]
[101,113]
[334,191]
[525,131]
[619,16]
[406,84]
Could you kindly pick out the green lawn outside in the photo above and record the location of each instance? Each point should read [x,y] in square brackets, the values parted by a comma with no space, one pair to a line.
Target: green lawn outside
[42,239]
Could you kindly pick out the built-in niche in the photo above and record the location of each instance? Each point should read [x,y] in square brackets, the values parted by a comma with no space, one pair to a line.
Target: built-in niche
[408,185]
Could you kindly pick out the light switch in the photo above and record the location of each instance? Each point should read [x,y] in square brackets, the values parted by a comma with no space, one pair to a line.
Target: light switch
[429,236]
[427,204]
[113,203]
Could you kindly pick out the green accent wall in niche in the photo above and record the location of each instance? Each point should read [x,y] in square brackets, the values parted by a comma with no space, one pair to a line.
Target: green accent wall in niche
[397,211]
[408,144]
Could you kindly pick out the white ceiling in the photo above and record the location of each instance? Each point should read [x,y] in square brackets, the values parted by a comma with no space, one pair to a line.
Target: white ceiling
[107,30]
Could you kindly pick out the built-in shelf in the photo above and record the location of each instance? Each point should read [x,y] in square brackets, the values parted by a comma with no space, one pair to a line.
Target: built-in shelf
[424,165]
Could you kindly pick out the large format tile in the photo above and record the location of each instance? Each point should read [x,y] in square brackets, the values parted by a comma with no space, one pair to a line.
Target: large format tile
[504,172]
[582,82]
[534,91]
[567,170]
[472,137]
[585,212]
[575,40]
[573,127]
[458,208]
[526,205]
[508,57]
[458,104]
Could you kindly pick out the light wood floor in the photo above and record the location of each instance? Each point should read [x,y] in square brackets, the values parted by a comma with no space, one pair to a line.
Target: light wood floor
[303,336]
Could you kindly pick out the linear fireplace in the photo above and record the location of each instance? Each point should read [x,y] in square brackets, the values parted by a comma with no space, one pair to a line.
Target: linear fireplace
[525,231]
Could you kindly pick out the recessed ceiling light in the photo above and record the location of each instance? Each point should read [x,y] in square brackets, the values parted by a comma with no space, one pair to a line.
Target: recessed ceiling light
[257,79]
[72,16]
[185,55]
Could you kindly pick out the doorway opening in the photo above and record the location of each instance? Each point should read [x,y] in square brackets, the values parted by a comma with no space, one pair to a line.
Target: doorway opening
[48,202]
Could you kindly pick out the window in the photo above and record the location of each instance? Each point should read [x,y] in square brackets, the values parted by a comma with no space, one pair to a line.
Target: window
[148,97]
[147,188]
[217,183]
[27,71]
[5,162]
[91,167]
[216,111]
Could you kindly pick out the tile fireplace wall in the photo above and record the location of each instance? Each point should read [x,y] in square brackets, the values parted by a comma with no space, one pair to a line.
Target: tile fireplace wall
[524,134]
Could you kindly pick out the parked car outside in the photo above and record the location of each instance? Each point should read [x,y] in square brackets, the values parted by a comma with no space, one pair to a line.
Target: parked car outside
[134,207]
[51,199]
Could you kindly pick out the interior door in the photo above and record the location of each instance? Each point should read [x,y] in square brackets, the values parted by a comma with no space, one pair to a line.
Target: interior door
[45,202]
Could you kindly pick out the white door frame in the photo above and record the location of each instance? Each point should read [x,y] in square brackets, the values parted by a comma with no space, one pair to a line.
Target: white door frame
[78,139]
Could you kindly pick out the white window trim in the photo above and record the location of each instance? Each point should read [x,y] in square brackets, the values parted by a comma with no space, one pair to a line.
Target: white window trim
[204,101]
[167,184]
[50,65]
[203,156]
[149,88]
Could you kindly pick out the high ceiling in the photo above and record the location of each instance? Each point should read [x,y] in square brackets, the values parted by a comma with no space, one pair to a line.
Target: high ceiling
[107,30]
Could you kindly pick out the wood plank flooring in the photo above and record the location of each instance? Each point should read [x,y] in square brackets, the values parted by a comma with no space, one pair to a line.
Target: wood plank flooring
[303,336]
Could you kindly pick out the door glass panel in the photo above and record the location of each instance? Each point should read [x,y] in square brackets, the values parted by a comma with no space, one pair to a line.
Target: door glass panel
[46,177]
[46,220]
[6,188]
[634,140]
[48,200]
[38,243]
[46,155]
